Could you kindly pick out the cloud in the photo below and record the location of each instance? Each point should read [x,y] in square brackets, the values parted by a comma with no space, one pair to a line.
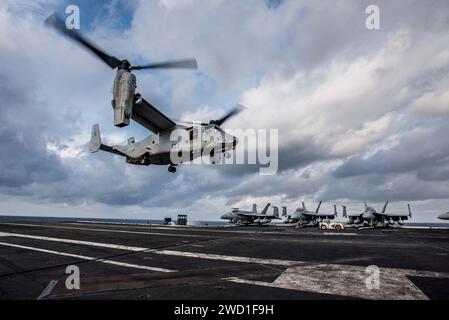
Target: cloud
[361,114]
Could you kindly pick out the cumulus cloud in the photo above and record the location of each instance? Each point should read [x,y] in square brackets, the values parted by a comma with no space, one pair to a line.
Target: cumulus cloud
[362,115]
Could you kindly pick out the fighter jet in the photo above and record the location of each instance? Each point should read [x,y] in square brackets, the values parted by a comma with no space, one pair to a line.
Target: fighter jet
[242,217]
[373,218]
[304,217]
[444,216]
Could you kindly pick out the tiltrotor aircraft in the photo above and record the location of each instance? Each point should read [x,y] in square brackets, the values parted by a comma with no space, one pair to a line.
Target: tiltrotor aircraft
[242,217]
[373,218]
[304,217]
[158,148]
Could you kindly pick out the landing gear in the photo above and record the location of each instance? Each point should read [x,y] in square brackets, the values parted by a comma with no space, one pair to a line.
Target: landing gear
[172,169]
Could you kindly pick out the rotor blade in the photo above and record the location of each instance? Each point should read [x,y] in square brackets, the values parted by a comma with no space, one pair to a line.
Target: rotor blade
[239,108]
[178,64]
[57,23]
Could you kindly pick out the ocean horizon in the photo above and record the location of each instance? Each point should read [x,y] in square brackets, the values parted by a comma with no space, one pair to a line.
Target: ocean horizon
[8,218]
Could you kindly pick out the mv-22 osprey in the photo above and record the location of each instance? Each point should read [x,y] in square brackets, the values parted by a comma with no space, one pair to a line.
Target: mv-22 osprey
[159,149]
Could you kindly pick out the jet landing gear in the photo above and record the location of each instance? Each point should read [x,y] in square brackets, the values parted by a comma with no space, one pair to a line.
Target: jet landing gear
[171,168]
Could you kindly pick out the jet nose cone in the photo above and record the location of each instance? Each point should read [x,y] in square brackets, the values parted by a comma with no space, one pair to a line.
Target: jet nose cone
[225,216]
[444,216]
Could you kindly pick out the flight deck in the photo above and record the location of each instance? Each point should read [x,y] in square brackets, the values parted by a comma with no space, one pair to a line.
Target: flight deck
[121,261]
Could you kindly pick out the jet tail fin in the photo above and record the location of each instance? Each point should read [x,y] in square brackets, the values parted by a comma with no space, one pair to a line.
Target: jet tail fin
[409,210]
[318,208]
[276,211]
[95,139]
[366,206]
[264,211]
[254,208]
[335,210]
[284,211]
[385,207]
[345,212]
[303,205]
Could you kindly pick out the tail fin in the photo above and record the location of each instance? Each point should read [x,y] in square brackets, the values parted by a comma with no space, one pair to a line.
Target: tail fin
[284,211]
[366,206]
[95,139]
[345,212]
[303,205]
[95,144]
[318,208]
[409,211]
[276,211]
[254,208]
[264,211]
[335,210]
[385,207]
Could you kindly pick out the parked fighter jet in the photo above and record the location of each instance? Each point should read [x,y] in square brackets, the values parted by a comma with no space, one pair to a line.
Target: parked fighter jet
[373,218]
[304,217]
[241,217]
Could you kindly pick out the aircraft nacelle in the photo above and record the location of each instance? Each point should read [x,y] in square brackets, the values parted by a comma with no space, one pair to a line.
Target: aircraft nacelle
[123,97]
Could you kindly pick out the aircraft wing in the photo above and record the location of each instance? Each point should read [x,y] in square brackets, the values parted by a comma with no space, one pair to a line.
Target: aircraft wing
[149,117]
[111,150]
[258,215]
[396,216]
[314,214]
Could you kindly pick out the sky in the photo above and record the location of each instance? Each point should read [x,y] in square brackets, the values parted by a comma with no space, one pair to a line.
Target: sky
[362,114]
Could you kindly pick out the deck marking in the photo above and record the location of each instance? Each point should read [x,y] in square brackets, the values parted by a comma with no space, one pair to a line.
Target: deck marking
[158,251]
[220,257]
[48,289]
[347,280]
[187,254]
[109,230]
[340,234]
[62,240]
[117,263]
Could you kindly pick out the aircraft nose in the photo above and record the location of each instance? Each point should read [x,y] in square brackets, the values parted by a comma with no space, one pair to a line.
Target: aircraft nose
[444,216]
